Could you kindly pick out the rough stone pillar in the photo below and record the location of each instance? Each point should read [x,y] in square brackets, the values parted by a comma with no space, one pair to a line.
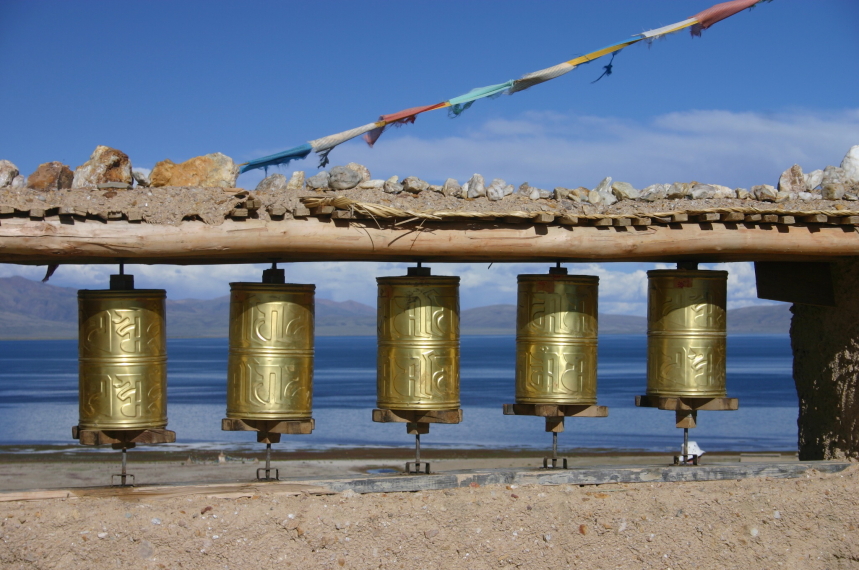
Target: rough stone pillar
[825,342]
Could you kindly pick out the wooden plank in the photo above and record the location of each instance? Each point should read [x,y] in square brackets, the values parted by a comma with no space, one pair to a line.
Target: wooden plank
[294,427]
[543,218]
[806,283]
[687,403]
[641,221]
[278,211]
[815,219]
[849,220]
[341,215]
[142,436]
[733,217]
[418,416]
[602,222]
[622,222]
[753,217]
[786,220]
[300,212]
[239,213]
[769,218]
[134,215]
[709,218]
[556,410]
[567,220]
[7,210]
[114,215]
[662,219]
[66,211]
[37,213]
[322,210]
[679,218]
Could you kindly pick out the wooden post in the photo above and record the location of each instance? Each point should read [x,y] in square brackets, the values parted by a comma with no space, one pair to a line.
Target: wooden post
[825,342]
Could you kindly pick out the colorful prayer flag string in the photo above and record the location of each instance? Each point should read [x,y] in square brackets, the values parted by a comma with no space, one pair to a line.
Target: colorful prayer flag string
[457,105]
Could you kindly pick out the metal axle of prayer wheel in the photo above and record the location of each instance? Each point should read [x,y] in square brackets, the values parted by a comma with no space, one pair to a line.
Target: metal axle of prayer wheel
[686,346]
[122,363]
[556,351]
[417,377]
[270,365]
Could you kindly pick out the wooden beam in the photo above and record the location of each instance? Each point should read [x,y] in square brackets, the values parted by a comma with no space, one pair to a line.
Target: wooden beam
[26,241]
[806,283]
[418,416]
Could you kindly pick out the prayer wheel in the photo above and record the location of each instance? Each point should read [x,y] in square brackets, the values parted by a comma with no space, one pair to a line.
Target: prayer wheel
[556,339]
[122,353]
[686,334]
[418,334]
[270,365]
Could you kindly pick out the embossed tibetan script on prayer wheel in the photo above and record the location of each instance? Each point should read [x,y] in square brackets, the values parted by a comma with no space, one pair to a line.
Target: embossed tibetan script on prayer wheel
[122,353]
[556,339]
[270,367]
[418,354]
[686,334]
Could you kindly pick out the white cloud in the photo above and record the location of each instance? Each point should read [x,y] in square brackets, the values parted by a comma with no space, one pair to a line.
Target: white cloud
[550,149]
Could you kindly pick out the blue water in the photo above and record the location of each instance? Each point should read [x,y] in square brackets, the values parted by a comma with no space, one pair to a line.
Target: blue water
[38,381]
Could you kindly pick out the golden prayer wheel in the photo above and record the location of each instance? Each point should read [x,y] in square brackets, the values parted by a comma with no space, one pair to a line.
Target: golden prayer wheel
[556,339]
[122,352]
[418,333]
[686,335]
[270,366]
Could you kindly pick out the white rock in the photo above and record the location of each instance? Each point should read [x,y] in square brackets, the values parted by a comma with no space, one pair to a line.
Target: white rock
[19,182]
[318,181]
[141,176]
[833,175]
[764,193]
[678,191]
[742,194]
[374,184]
[451,188]
[476,186]
[850,165]
[296,181]
[360,169]
[534,193]
[594,197]
[495,190]
[807,196]
[8,172]
[813,179]
[792,180]
[624,191]
[435,188]
[711,192]
[655,192]
[274,183]
[784,197]
[105,165]
[392,186]
[343,178]
[604,186]
[561,193]
[414,185]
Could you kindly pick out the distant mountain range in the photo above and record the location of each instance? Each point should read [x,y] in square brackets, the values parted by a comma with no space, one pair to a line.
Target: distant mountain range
[33,310]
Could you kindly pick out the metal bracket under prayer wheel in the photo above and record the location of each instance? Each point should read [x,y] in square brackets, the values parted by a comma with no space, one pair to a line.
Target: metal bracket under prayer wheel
[418,422]
[686,415]
[268,432]
[555,414]
[124,440]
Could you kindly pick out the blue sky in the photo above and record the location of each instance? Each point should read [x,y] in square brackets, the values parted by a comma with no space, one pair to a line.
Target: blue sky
[758,92]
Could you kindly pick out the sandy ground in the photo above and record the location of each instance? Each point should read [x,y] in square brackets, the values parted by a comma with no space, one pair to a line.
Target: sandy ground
[753,523]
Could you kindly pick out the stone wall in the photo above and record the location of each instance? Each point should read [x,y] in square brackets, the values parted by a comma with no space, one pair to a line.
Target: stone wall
[825,343]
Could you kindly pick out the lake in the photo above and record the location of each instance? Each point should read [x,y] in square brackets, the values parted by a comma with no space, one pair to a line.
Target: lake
[38,398]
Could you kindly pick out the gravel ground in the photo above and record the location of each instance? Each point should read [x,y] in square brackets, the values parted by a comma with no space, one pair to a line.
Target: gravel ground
[753,523]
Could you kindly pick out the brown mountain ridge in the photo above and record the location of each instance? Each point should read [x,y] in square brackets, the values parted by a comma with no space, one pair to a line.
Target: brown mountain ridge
[34,310]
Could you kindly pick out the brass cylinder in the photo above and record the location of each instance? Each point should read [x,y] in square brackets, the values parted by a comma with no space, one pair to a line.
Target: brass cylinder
[418,355]
[686,335]
[556,339]
[122,359]
[270,365]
